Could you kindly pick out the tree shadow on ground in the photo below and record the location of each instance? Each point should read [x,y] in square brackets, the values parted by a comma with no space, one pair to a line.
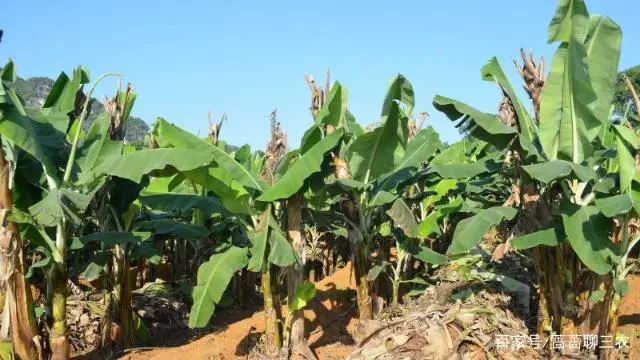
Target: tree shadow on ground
[333,308]
[161,339]
[179,336]
[629,320]
[333,320]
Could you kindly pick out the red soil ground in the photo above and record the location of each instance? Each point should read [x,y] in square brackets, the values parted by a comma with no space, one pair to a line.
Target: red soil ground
[629,322]
[330,322]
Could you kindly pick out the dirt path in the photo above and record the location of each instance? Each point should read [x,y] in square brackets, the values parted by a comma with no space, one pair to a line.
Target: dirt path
[329,320]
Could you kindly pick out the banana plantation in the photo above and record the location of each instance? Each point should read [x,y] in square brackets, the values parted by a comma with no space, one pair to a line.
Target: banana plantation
[516,242]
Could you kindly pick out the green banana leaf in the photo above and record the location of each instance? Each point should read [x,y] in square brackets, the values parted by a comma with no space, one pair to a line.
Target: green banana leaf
[469,232]
[378,152]
[588,233]
[212,280]
[302,168]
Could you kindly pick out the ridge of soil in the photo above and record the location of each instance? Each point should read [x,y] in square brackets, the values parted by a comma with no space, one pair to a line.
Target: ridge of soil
[330,323]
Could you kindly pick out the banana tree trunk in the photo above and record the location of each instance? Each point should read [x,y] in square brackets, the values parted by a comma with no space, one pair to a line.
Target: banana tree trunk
[611,307]
[106,326]
[544,293]
[247,286]
[565,288]
[126,310]
[564,304]
[238,288]
[180,257]
[59,340]
[558,281]
[564,282]
[397,276]
[23,316]
[395,300]
[295,272]
[145,271]
[609,326]
[57,297]
[23,323]
[327,259]
[110,334]
[106,322]
[271,328]
[382,282]
[277,302]
[360,268]
[122,298]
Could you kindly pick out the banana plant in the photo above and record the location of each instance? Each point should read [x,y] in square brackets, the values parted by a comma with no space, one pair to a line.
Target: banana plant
[297,173]
[114,200]
[226,179]
[18,327]
[424,212]
[55,154]
[254,204]
[56,215]
[571,170]
[369,167]
[422,219]
[134,236]
[118,208]
[49,140]
[126,173]
[234,179]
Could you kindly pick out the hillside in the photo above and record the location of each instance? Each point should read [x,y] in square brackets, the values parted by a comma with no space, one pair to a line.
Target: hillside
[33,92]
[623,96]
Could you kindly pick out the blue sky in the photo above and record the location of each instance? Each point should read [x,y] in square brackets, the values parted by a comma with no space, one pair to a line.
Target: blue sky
[249,57]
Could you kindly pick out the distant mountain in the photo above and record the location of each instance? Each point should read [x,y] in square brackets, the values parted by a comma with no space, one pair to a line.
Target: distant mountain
[623,96]
[34,91]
